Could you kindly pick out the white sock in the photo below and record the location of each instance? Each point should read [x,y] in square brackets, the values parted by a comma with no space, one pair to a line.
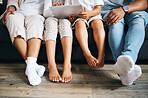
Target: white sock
[124,65]
[130,78]
[40,69]
[31,73]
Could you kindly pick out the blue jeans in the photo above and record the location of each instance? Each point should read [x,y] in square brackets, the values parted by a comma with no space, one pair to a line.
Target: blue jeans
[130,42]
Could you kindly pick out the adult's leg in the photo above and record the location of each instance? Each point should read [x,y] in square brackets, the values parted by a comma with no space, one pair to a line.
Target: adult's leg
[99,37]
[116,38]
[66,40]
[15,25]
[133,42]
[34,31]
[34,28]
[50,35]
[135,35]
[82,37]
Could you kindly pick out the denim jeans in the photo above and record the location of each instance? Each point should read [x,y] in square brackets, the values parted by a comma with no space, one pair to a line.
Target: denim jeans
[130,42]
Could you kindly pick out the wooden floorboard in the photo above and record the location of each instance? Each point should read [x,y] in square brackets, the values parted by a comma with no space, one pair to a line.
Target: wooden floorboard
[86,83]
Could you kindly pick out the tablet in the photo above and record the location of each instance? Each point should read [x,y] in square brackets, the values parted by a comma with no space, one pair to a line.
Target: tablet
[66,10]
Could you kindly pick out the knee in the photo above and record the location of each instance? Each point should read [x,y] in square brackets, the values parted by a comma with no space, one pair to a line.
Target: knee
[138,21]
[65,28]
[49,21]
[79,23]
[97,24]
[64,22]
[116,28]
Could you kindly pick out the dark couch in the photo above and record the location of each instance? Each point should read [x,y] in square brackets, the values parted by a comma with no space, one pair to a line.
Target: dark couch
[8,53]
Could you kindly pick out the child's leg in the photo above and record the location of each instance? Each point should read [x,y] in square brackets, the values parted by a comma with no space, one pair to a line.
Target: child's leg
[99,37]
[50,38]
[66,40]
[53,72]
[82,37]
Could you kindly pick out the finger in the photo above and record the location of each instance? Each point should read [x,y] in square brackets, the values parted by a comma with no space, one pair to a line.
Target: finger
[83,13]
[116,20]
[6,15]
[70,15]
[12,12]
[70,19]
[110,19]
[85,9]
[61,4]
[110,14]
[113,20]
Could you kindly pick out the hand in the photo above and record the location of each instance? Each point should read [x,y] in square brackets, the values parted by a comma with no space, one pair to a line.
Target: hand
[85,14]
[115,15]
[58,4]
[72,18]
[9,11]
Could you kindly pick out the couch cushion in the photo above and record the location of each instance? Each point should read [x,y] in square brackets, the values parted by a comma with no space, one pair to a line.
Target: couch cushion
[4,34]
[3,6]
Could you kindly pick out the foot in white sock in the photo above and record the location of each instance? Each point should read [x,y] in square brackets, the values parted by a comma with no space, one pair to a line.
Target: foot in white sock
[32,75]
[40,69]
[130,78]
[124,65]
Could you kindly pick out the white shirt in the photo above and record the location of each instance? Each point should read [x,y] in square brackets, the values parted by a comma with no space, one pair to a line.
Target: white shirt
[47,3]
[89,4]
[32,7]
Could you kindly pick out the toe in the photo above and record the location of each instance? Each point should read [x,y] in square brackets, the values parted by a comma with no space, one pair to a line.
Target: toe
[50,79]
[69,78]
[65,80]
[57,79]
[62,80]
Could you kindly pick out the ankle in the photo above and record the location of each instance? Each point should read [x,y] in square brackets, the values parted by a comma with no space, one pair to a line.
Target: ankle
[51,65]
[66,66]
[86,53]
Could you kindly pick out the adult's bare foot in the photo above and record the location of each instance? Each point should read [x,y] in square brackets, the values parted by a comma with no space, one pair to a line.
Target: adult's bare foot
[53,73]
[67,74]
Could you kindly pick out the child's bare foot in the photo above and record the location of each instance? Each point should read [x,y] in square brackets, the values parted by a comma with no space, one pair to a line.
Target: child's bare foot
[92,61]
[53,73]
[101,63]
[67,74]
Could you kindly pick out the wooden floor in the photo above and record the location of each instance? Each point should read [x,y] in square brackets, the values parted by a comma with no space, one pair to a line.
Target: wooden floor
[87,83]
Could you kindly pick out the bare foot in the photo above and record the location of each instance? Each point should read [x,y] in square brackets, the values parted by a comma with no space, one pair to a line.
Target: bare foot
[53,73]
[67,74]
[100,64]
[92,61]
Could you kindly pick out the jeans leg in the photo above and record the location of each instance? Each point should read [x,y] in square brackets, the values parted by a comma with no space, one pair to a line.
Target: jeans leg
[116,38]
[134,37]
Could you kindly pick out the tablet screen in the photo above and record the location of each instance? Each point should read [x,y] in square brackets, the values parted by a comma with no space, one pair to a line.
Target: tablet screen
[66,10]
